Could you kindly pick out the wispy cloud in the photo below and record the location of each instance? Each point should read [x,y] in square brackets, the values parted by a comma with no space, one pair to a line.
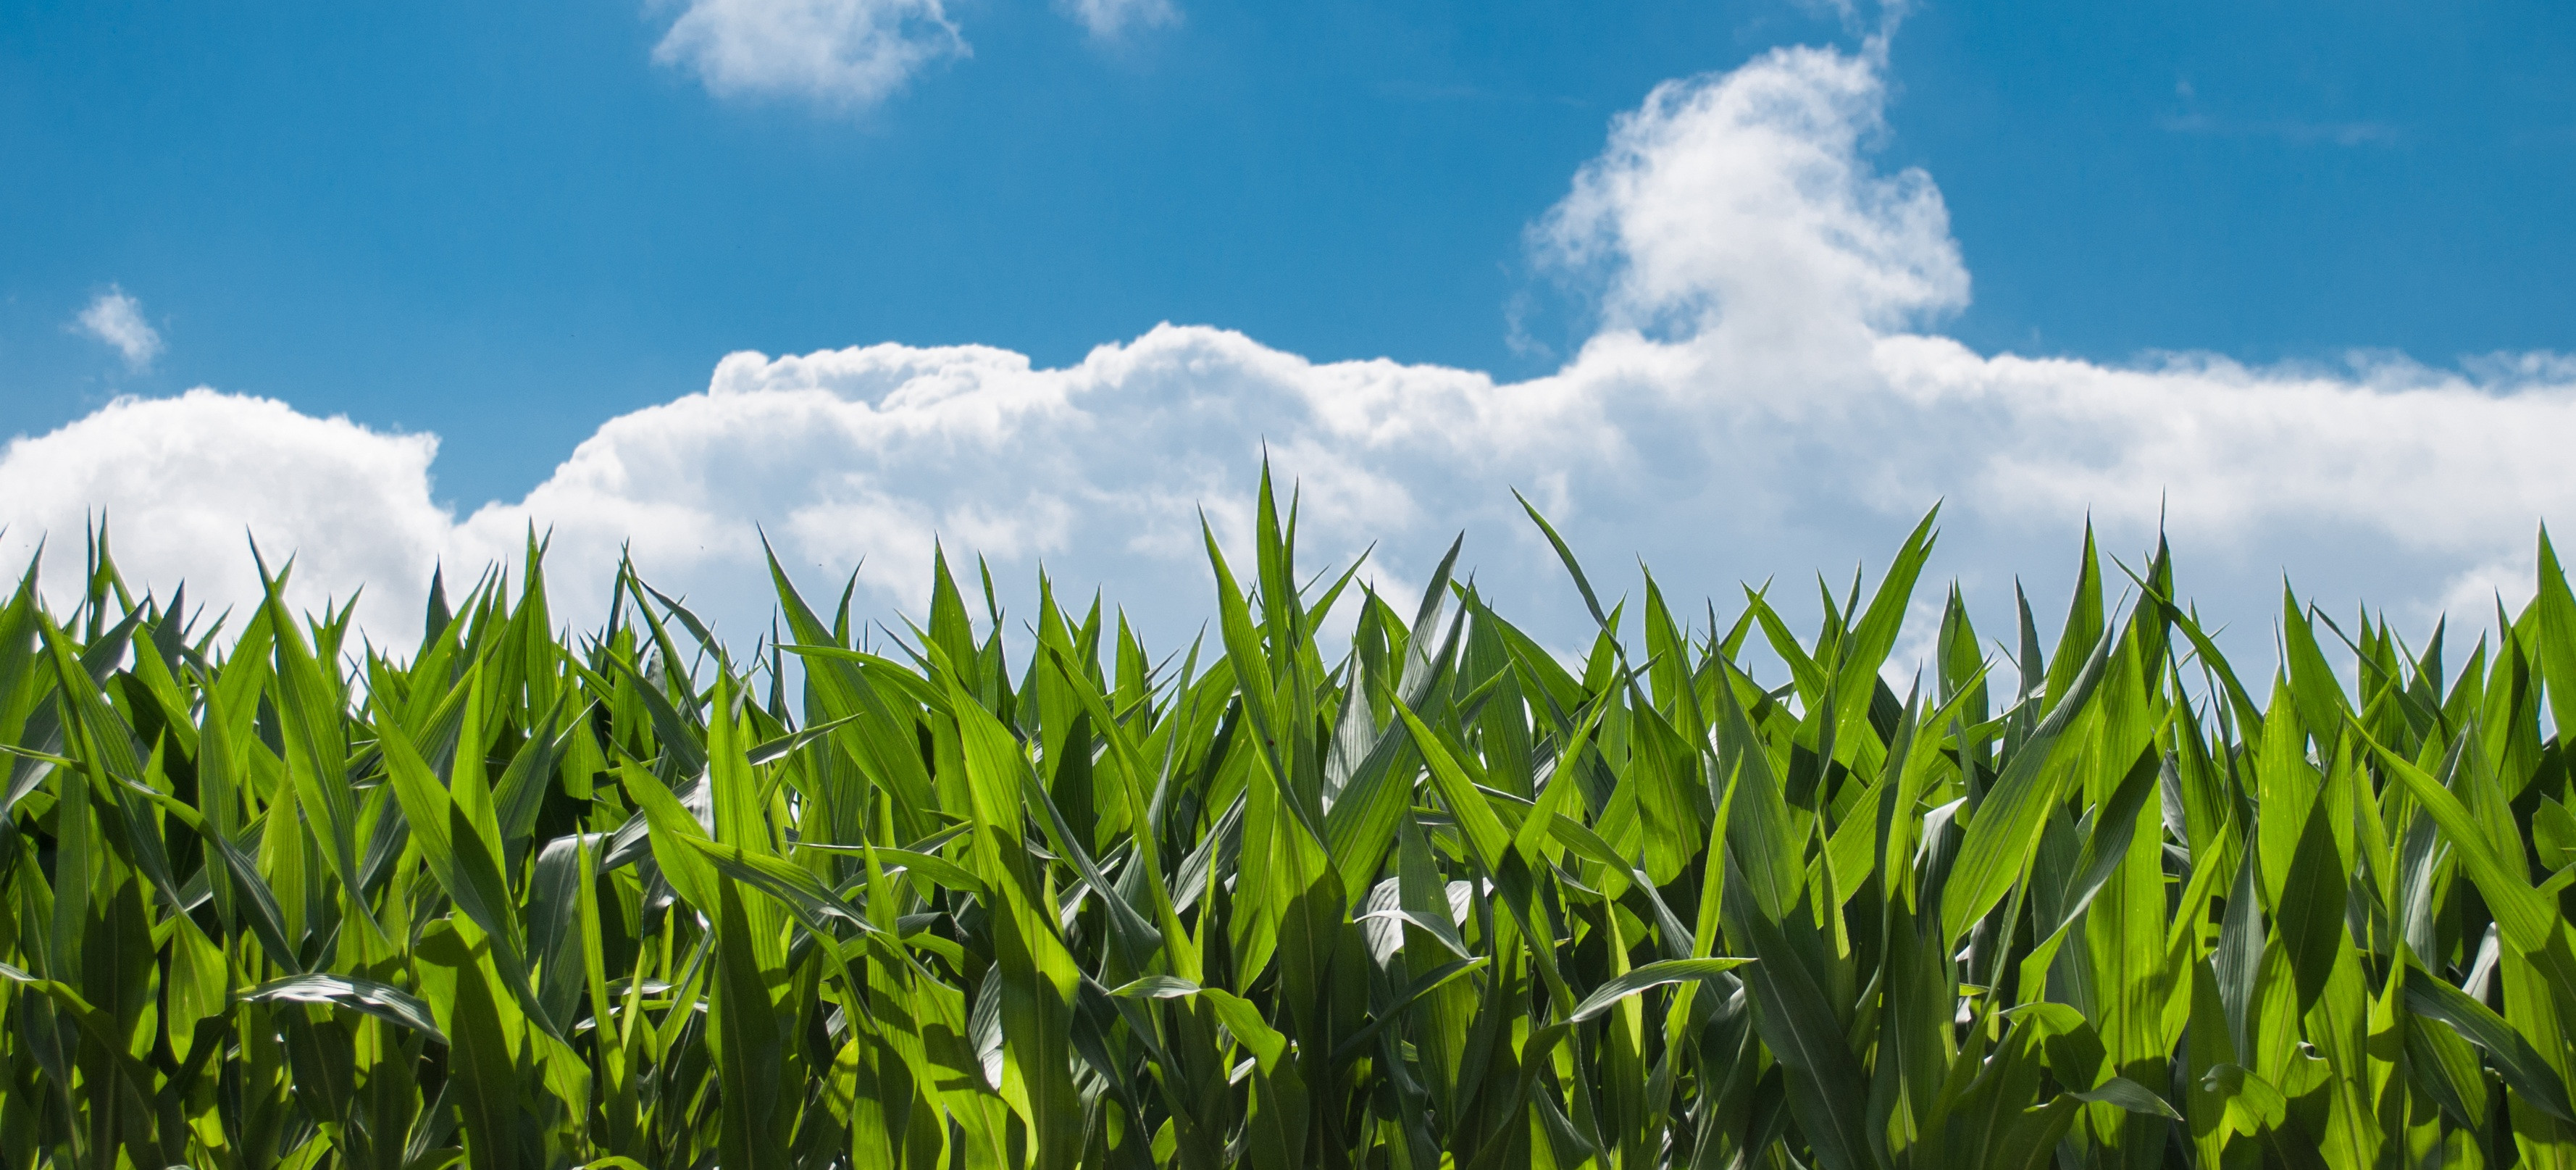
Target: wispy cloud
[1111,19]
[2295,131]
[845,54]
[117,319]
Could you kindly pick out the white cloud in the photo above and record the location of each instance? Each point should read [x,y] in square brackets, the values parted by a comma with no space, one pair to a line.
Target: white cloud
[184,482]
[1766,395]
[844,53]
[1739,216]
[117,319]
[1110,19]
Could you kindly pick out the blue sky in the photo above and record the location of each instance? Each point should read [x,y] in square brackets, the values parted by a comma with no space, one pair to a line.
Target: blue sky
[506,225]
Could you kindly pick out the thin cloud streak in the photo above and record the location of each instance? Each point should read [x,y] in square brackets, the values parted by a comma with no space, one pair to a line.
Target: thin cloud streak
[2294,131]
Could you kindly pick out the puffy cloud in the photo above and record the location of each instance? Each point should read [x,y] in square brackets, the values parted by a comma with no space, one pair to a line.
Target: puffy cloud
[1743,207]
[184,483]
[1767,393]
[1097,469]
[846,53]
[1109,19]
[117,319]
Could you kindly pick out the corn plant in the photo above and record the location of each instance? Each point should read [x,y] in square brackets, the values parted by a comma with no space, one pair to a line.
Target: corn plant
[925,896]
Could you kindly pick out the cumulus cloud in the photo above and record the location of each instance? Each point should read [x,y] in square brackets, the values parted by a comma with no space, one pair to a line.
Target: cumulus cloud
[183,483]
[1744,206]
[117,319]
[1767,393]
[844,53]
[1110,19]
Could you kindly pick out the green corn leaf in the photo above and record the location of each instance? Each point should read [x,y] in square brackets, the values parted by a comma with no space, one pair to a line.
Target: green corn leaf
[356,993]
[133,1084]
[2129,1095]
[1803,1031]
[815,906]
[2252,1103]
[242,877]
[1875,633]
[1565,554]
[2006,826]
[461,849]
[317,750]
[1484,831]
[2514,1058]
[1358,1042]
[1655,974]
[2557,610]
[2528,922]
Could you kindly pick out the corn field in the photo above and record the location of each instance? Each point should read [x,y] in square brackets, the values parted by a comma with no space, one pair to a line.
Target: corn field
[1440,899]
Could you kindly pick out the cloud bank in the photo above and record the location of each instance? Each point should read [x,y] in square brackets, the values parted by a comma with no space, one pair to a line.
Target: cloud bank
[1767,393]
